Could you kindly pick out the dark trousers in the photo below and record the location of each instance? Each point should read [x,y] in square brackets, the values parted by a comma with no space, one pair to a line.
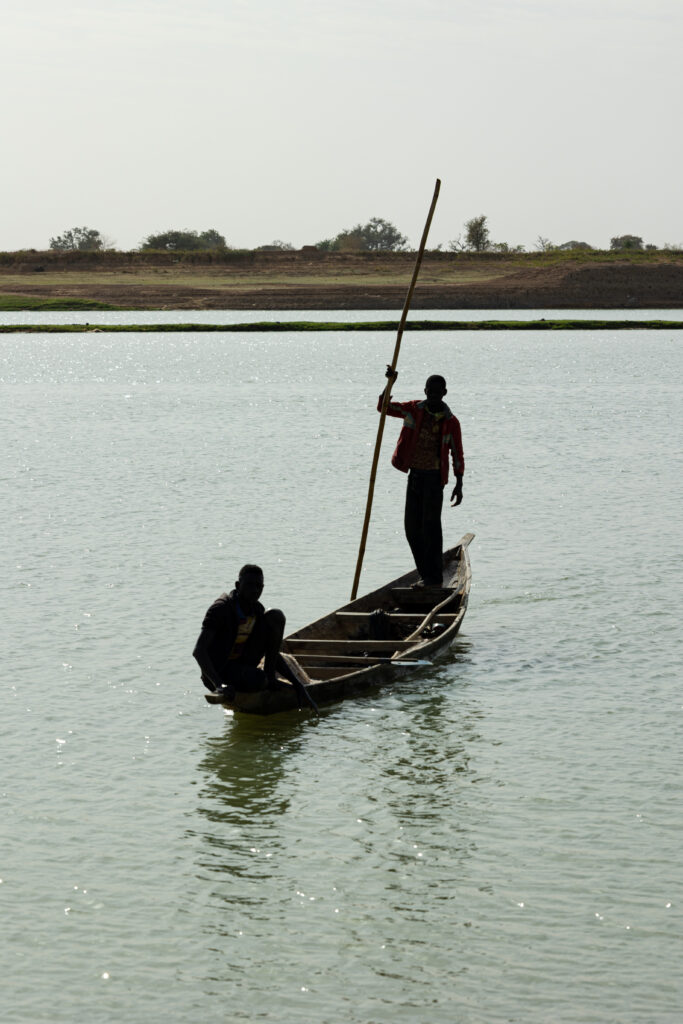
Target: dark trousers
[247,677]
[424,500]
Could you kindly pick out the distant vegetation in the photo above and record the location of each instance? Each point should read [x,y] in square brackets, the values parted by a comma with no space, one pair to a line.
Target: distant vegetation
[377,235]
[478,239]
[276,246]
[634,243]
[79,240]
[185,241]
[477,235]
[279,326]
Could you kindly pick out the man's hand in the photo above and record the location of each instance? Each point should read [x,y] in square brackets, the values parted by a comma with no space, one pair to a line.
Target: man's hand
[391,374]
[456,496]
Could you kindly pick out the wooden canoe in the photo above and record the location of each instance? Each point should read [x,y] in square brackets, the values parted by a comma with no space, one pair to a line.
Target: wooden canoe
[372,640]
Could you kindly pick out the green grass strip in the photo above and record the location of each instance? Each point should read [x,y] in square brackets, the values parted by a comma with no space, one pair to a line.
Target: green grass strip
[379,325]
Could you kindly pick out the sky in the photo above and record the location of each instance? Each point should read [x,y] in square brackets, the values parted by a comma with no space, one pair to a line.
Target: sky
[297,119]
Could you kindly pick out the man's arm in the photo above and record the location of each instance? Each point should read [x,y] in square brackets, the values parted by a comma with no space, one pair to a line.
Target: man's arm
[456,496]
[203,658]
[458,462]
[393,408]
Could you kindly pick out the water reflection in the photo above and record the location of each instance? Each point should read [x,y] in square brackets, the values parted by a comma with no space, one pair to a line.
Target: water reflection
[384,846]
[243,768]
[243,795]
[427,786]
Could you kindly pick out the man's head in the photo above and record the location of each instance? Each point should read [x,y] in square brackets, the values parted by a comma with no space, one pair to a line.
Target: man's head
[249,585]
[435,389]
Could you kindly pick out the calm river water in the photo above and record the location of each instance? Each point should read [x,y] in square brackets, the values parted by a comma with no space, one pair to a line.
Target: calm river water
[497,839]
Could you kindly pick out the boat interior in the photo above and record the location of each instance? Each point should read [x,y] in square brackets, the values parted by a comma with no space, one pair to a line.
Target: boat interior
[379,627]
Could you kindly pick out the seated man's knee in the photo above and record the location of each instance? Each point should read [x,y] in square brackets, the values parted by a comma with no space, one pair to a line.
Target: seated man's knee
[275,620]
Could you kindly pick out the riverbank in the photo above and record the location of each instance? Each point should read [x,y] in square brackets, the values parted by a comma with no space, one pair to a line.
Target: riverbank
[310,279]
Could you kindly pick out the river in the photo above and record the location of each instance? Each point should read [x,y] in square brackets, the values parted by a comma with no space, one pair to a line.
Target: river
[495,839]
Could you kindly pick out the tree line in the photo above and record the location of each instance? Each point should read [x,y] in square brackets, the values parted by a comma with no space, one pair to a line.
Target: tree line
[477,238]
[377,235]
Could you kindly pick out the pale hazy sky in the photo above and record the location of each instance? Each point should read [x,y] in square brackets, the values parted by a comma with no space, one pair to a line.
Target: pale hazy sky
[295,119]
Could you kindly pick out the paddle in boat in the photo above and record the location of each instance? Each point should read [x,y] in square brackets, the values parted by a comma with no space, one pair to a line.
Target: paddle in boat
[372,640]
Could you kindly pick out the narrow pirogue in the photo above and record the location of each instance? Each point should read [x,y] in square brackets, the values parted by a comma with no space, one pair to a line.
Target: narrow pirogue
[371,640]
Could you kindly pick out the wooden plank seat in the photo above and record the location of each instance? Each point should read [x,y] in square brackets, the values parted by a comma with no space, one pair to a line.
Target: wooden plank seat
[407,617]
[297,646]
[420,596]
[344,659]
[334,671]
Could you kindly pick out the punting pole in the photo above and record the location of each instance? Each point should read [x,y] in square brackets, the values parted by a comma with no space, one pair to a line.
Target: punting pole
[387,390]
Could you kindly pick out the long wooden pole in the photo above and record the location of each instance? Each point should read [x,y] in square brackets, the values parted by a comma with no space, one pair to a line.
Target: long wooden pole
[387,390]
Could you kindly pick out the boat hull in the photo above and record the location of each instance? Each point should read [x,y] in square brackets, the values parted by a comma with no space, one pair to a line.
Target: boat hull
[337,658]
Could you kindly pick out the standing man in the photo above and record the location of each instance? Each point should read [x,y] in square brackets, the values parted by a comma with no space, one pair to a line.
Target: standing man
[236,633]
[430,431]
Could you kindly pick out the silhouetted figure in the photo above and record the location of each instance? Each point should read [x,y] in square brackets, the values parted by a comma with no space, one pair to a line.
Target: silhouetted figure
[236,633]
[430,432]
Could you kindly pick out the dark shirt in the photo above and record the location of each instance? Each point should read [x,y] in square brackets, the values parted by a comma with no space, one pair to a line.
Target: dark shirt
[427,451]
[223,619]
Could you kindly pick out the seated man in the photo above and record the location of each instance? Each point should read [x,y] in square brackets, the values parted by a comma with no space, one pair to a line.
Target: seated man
[236,633]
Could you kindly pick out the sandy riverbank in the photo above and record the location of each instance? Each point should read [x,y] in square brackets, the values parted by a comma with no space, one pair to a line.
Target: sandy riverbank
[313,280]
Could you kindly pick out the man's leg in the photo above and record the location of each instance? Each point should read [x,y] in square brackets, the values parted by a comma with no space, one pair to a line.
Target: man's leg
[413,519]
[251,678]
[246,678]
[432,550]
[274,622]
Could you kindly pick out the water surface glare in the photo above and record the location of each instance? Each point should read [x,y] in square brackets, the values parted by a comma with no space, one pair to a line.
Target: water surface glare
[496,839]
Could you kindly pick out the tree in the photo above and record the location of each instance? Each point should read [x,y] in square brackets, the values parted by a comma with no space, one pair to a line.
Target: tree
[377,235]
[185,241]
[349,241]
[212,239]
[381,236]
[574,245]
[544,244]
[78,240]
[631,242]
[276,246]
[477,234]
